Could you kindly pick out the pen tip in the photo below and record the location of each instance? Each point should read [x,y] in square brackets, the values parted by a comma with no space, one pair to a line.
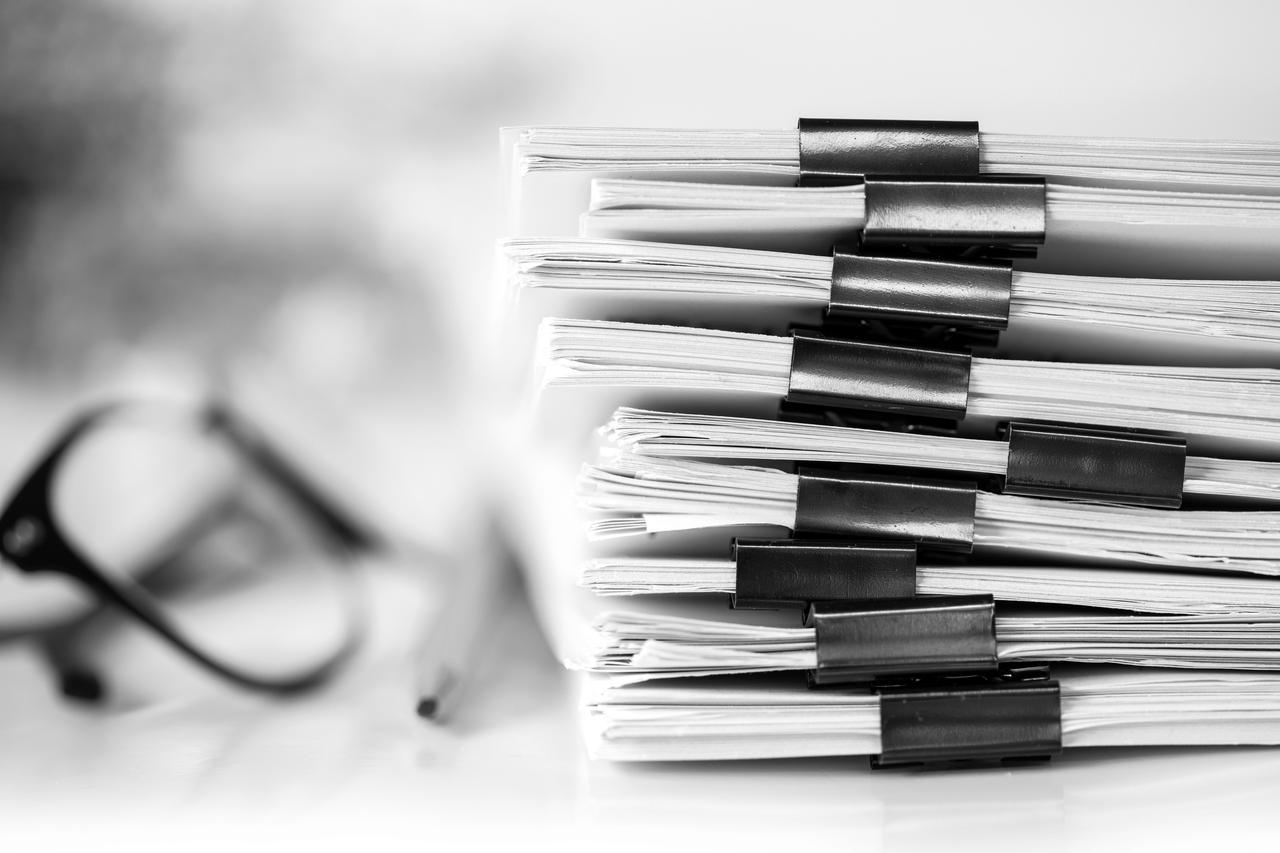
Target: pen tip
[427,708]
[82,686]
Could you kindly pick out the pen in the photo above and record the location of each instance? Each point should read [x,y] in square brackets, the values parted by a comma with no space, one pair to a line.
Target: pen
[465,623]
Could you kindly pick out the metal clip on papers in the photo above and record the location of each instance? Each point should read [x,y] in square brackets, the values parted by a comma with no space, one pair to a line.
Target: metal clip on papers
[879,377]
[933,513]
[999,721]
[1008,672]
[915,289]
[1107,465]
[779,573]
[999,215]
[935,635]
[842,151]
[834,415]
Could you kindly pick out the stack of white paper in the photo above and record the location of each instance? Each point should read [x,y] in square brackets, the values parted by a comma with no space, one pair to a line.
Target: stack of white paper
[773,156]
[1216,405]
[675,435]
[652,644]
[1089,317]
[1117,589]
[758,717]
[1110,231]
[663,270]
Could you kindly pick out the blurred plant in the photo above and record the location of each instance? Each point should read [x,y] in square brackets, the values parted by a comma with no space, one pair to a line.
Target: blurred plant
[202,180]
[82,122]
[80,100]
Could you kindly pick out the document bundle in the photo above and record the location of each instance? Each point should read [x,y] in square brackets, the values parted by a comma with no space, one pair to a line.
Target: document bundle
[900,439]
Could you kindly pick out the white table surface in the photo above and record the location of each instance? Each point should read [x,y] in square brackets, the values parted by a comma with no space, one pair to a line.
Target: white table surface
[354,766]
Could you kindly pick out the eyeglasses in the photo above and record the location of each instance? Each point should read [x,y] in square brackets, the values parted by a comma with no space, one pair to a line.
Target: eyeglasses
[191,522]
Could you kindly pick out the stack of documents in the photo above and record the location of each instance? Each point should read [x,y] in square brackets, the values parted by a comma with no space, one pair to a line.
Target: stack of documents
[1081,222]
[1076,317]
[773,157]
[760,717]
[1208,206]
[974,461]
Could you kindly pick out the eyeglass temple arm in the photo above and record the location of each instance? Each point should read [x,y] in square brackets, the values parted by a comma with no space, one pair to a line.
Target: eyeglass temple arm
[46,547]
[135,602]
[350,532]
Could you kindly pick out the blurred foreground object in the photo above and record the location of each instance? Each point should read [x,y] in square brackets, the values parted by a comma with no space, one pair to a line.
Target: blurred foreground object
[483,581]
[191,522]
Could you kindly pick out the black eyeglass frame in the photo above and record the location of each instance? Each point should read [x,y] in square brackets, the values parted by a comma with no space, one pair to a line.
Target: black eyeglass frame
[32,540]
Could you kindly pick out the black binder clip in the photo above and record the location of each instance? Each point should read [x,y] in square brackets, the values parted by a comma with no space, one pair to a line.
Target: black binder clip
[1107,465]
[778,573]
[899,380]
[914,289]
[842,151]
[987,215]
[999,721]
[860,642]
[932,512]
[901,333]
[1019,671]
[804,413]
